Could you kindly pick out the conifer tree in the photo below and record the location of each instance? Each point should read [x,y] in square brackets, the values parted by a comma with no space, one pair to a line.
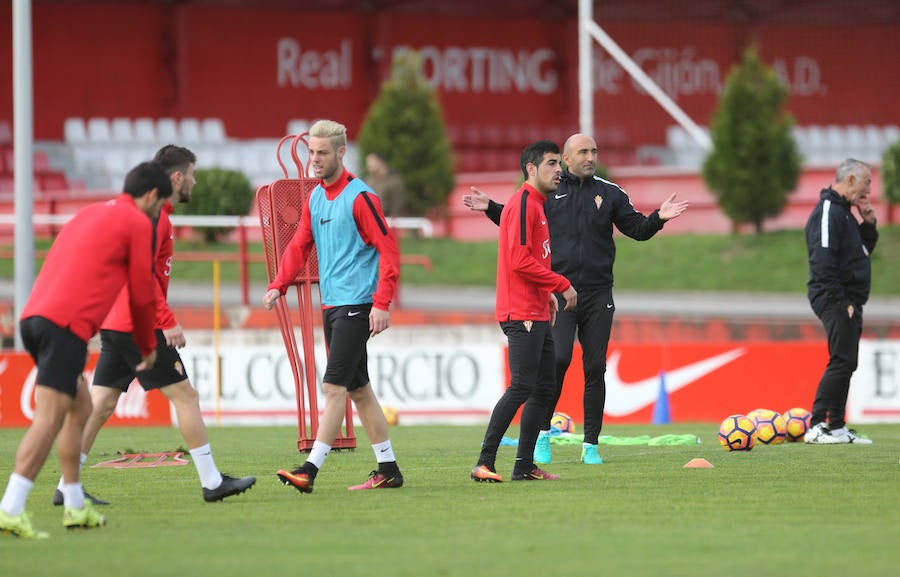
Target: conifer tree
[755,162]
[890,176]
[405,126]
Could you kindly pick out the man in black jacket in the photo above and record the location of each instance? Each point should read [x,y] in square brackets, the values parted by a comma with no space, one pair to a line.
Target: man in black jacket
[581,214]
[840,277]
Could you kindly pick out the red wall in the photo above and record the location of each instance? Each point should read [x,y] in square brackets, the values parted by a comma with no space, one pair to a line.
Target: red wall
[131,59]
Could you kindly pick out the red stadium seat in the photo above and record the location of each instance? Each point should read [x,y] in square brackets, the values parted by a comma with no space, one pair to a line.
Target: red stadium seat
[51,182]
[41,162]
[6,133]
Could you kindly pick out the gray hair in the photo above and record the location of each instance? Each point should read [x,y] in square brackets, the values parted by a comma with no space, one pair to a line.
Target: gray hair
[330,129]
[851,166]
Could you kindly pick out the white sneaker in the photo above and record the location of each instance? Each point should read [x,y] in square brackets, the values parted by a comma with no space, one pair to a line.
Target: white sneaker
[819,434]
[845,435]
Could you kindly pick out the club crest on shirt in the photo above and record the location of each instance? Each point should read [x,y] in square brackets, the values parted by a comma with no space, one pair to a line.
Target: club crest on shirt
[598,200]
[528,325]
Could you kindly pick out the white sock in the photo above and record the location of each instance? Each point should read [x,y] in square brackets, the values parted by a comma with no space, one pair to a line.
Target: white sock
[16,494]
[586,445]
[73,495]
[384,453]
[318,453]
[544,433]
[82,461]
[210,477]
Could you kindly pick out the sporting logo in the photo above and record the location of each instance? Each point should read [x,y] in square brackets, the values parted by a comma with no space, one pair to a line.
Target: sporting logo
[352,313]
[624,398]
[325,220]
[559,196]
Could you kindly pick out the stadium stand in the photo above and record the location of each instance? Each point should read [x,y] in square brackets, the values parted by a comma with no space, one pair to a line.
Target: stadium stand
[99,151]
[819,145]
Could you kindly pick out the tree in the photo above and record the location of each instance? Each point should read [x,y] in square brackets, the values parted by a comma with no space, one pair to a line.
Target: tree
[755,163]
[890,175]
[218,192]
[405,126]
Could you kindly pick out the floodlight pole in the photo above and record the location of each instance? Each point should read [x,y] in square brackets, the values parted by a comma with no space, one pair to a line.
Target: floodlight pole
[23,145]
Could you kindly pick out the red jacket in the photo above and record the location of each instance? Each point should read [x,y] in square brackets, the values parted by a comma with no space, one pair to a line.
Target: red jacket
[524,278]
[119,317]
[104,247]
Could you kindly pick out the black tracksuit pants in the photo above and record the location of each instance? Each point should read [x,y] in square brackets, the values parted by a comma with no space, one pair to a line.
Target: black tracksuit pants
[532,382]
[592,320]
[843,333]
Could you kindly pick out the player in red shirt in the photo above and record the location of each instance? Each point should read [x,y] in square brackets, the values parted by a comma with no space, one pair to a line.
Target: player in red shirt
[104,247]
[359,265]
[526,309]
[115,367]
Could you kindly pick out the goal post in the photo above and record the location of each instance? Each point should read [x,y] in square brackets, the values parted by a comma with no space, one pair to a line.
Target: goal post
[588,32]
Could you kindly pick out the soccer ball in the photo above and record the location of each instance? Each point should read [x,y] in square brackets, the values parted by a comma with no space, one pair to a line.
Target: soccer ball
[736,433]
[796,423]
[563,422]
[390,415]
[770,427]
[752,415]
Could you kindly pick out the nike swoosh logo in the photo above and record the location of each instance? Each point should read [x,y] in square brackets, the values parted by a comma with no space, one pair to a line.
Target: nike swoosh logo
[609,306]
[324,220]
[352,313]
[625,398]
[558,196]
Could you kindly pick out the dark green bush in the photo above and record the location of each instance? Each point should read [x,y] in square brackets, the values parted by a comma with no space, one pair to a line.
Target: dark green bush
[218,192]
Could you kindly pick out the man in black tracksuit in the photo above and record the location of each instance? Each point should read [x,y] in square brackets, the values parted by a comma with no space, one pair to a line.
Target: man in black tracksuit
[840,277]
[581,214]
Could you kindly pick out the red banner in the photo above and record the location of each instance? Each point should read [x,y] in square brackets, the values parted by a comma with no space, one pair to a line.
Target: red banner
[17,382]
[704,382]
[495,76]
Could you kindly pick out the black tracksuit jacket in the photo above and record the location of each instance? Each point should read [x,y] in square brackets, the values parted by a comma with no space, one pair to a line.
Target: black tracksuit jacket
[581,215]
[839,249]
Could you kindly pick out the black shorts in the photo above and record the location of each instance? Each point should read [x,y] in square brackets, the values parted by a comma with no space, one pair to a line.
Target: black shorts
[59,354]
[119,355]
[346,333]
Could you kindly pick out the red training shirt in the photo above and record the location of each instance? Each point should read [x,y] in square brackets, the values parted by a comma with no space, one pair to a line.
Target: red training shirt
[119,317]
[104,247]
[524,277]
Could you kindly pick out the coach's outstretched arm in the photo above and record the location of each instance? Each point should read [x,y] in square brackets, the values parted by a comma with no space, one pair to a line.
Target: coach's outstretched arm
[672,208]
[482,202]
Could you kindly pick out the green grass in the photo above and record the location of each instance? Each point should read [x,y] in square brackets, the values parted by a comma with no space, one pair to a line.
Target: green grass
[794,508]
[771,262]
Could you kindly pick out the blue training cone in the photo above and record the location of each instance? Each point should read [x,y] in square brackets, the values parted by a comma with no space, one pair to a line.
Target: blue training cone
[661,409]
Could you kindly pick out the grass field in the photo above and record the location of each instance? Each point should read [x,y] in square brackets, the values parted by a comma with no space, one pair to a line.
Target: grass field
[771,262]
[791,509]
